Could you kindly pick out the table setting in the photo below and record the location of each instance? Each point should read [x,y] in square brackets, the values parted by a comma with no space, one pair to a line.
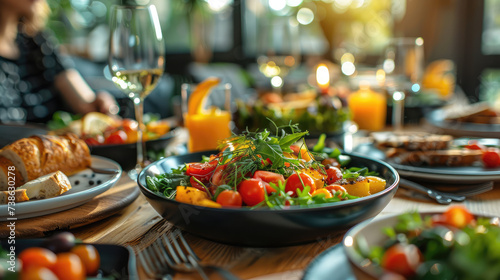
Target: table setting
[324,171]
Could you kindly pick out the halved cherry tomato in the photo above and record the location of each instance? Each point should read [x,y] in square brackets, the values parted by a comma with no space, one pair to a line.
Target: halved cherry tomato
[201,169]
[37,273]
[116,137]
[36,256]
[458,217]
[295,182]
[268,177]
[491,158]
[333,174]
[217,178]
[69,267]
[335,188]
[402,259]
[89,256]
[229,198]
[251,191]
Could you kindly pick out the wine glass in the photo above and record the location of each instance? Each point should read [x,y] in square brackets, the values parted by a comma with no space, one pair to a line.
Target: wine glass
[278,47]
[136,60]
[403,65]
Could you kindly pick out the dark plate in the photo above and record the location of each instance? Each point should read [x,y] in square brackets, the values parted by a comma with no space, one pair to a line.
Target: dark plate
[332,261]
[436,118]
[266,227]
[444,174]
[126,154]
[115,260]
[11,133]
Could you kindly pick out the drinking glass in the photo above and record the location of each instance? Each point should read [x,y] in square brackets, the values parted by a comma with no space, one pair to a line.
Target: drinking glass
[403,65]
[278,47]
[136,59]
[213,124]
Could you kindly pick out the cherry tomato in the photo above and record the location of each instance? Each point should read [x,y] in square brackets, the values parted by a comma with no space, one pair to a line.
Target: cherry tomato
[195,184]
[251,191]
[491,158]
[333,174]
[116,137]
[36,256]
[269,177]
[89,256]
[37,273]
[402,259]
[69,267]
[129,125]
[96,140]
[217,179]
[458,217]
[322,191]
[201,169]
[229,198]
[475,146]
[335,188]
[295,149]
[330,162]
[295,182]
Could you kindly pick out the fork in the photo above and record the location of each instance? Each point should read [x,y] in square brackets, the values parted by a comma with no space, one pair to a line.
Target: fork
[445,197]
[172,250]
[152,264]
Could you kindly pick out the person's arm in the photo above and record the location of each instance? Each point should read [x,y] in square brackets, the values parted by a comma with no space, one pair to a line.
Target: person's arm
[80,97]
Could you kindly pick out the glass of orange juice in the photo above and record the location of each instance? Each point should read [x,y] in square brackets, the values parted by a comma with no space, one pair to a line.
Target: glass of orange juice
[206,110]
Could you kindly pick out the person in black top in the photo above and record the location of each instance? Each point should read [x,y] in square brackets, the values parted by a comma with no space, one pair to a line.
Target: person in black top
[35,81]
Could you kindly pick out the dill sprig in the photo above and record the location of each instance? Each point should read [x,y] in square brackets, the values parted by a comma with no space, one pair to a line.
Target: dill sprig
[250,151]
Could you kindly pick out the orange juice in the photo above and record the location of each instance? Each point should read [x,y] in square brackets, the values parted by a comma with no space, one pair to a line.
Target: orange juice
[207,129]
[368,109]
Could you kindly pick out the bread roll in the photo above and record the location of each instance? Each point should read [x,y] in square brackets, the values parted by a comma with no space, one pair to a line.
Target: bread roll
[42,154]
[5,174]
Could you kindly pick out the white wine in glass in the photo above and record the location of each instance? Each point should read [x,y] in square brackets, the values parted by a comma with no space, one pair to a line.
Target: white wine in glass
[136,60]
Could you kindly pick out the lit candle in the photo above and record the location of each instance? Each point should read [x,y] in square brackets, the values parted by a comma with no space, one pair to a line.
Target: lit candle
[323,78]
[368,108]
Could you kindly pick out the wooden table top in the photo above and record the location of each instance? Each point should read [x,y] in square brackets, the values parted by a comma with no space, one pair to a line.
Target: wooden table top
[138,225]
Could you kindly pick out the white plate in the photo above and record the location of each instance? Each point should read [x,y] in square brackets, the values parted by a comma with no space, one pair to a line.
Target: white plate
[85,186]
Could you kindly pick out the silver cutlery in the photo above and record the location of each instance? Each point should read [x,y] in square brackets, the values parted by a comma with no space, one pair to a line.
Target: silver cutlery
[172,251]
[446,197]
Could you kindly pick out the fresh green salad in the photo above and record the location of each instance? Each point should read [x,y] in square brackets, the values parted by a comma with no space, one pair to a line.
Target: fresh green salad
[452,245]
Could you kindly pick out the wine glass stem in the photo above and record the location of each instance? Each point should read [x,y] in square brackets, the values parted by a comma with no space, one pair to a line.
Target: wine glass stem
[141,145]
[398,113]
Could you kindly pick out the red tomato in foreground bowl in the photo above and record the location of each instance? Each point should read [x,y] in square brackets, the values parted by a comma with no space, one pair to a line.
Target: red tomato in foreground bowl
[333,174]
[295,182]
[402,259]
[252,191]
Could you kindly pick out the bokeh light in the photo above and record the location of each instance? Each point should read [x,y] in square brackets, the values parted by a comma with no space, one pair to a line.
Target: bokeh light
[276,81]
[305,16]
[277,5]
[348,68]
[294,3]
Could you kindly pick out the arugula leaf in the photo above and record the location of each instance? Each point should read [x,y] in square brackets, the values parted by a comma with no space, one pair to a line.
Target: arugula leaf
[320,145]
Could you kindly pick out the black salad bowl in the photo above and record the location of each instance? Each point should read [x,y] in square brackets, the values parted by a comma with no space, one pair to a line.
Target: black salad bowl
[267,227]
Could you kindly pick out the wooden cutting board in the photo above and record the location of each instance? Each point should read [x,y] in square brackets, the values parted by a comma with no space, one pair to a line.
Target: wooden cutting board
[123,193]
